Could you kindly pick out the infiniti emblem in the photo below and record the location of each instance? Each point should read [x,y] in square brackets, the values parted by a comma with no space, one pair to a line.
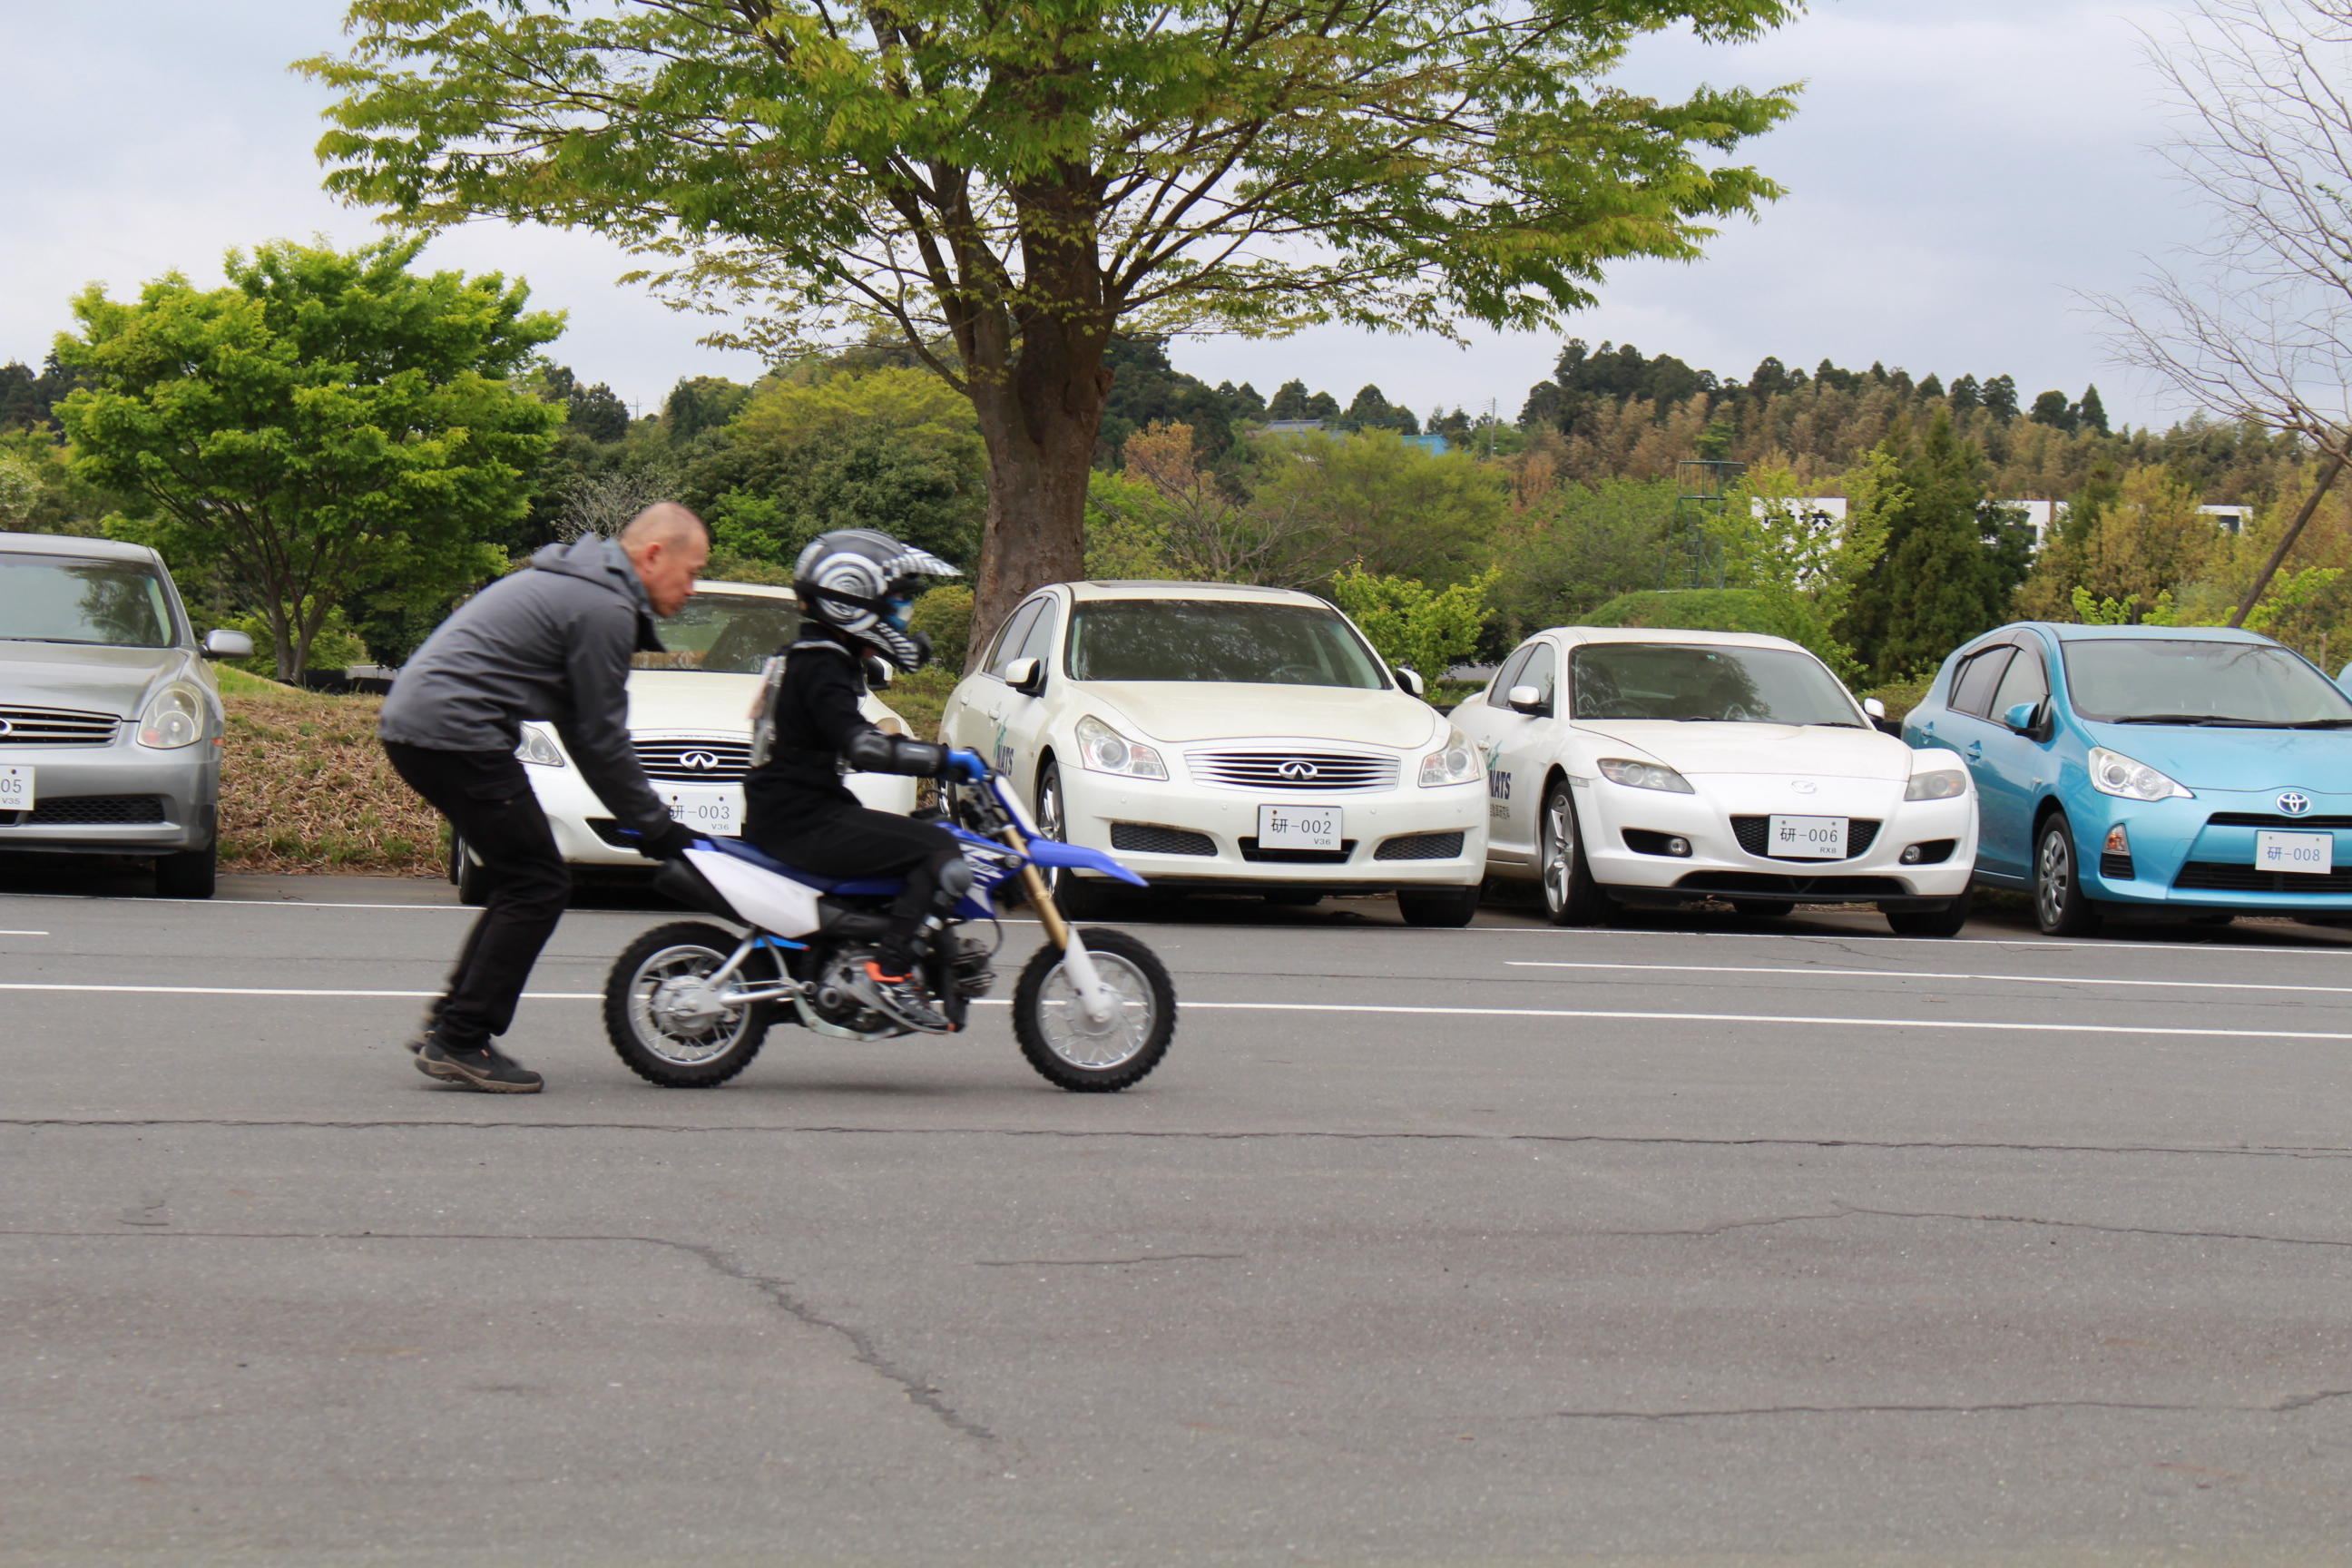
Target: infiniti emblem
[1804,786]
[2294,804]
[7,727]
[1299,768]
[700,761]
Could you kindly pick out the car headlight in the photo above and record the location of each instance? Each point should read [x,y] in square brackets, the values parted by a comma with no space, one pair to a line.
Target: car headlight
[1937,783]
[1457,762]
[174,718]
[1103,749]
[538,748]
[2112,773]
[1645,776]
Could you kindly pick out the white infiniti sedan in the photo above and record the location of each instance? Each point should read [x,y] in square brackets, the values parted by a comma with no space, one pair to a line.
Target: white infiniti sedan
[690,725]
[1226,738]
[1641,766]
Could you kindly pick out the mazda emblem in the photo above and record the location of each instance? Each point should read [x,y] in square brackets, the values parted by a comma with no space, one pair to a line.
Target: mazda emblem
[700,761]
[7,727]
[1804,786]
[2294,804]
[1299,768]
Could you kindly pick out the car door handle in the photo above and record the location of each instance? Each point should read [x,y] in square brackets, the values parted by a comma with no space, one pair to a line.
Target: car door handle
[1976,750]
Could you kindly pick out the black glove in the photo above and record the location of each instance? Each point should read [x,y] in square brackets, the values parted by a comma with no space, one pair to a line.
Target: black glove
[670,843]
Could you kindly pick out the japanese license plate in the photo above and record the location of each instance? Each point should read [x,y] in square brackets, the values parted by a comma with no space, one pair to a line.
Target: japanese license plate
[1807,838]
[715,812]
[1298,827]
[2310,852]
[16,789]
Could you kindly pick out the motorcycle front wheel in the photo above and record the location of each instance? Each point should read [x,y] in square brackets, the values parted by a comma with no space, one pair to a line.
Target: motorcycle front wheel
[1072,1051]
[648,1017]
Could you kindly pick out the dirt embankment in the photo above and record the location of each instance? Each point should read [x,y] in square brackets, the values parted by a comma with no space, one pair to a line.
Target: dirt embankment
[305,787]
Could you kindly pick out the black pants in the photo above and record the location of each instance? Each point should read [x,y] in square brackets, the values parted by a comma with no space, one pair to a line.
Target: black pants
[851,841]
[489,801]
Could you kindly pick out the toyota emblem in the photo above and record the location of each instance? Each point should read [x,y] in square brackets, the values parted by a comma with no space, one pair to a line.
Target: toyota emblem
[1299,768]
[700,761]
[2294,804]
[1804,786]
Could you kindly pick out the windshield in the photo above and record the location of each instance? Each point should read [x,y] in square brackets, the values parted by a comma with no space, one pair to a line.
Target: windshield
[725,634]
[108,604]
[1707,684]
[2136,681]
[1212,639]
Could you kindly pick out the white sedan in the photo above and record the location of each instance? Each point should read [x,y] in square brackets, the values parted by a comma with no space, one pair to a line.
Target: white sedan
[690,724]
[1640,766]
[1227,738]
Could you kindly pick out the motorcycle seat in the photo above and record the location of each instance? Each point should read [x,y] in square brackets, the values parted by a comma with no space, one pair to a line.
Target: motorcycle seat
[743,849]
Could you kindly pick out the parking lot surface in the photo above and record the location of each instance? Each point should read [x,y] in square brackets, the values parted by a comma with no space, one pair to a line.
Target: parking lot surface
[1699,1241]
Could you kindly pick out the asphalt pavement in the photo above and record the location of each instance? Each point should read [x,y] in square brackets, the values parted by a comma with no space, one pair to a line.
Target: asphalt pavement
[1702,1240]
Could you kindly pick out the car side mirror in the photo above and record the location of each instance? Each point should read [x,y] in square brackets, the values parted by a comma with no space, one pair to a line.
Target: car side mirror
[225,644]
[1026,676]
[1529,700]
[1873,708]
[1411,680]
[1876,712]
[2025,718]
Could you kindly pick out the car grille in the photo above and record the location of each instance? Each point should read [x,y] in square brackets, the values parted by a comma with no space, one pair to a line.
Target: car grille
[1339,856]
[1421,847]
[1755,836]
[89,811]
[2263,819]
[2219,877]
[1295,770]
[55,727]
[693,760]
[1742,884]
[1144,838]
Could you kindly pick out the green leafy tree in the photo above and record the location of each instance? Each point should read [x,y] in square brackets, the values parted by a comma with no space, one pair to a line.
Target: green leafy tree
[1577,546]
[1009,188]
[1952,561]
[1414,627]
[330,429]
[1401,509]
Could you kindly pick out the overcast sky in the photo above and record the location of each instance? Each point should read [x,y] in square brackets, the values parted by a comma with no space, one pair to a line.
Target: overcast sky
[1956,168]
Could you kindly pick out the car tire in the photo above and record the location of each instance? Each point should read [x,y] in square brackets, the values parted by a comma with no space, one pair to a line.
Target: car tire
[191,874]
[1078,899]
[1440,907]
[1944,922]
[1571,898]
[471,877]
[2061,908]
[1763,909]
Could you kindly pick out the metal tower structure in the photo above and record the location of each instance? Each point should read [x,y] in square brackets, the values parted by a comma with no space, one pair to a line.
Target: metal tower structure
[1692,558]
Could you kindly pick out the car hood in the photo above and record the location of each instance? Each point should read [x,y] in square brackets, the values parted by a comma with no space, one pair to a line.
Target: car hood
[1824,751]
[93,679]
[706,701]
[2235,759]
[1187,711]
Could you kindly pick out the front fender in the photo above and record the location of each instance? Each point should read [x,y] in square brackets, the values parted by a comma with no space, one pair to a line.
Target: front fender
[1074,858]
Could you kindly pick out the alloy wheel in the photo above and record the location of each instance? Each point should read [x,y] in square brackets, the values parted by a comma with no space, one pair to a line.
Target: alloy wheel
[2053,884]
[1558,852]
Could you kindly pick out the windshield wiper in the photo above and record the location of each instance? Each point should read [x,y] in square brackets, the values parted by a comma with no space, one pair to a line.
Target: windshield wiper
[2221,719]
[2318,724]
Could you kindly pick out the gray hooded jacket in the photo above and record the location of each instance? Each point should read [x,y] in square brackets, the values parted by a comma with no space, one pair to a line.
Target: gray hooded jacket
[551,643]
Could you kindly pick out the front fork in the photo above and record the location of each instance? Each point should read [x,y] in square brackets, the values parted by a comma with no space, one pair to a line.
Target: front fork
[1093,997]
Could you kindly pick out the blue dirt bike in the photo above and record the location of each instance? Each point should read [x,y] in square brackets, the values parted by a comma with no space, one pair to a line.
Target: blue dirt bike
[687,1006]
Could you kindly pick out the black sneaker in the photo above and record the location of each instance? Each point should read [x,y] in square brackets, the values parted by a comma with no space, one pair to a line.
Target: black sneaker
[485,1070]
[901,998]
[425,1025]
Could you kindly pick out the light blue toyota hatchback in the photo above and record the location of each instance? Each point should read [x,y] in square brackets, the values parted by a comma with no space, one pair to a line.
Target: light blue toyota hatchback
[2181,770]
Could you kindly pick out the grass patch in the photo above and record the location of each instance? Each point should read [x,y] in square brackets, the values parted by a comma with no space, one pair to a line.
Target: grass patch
[234,682]
[305,787]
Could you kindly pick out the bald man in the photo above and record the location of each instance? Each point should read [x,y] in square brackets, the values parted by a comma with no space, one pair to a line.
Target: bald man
[550,642]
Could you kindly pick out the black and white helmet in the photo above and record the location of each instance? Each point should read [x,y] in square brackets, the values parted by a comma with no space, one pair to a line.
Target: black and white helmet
[859,581]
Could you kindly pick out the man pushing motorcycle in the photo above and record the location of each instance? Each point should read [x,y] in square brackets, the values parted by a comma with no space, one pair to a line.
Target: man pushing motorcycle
[855,587]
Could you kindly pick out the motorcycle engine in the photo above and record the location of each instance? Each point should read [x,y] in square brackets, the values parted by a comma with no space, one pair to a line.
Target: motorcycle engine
[834,997]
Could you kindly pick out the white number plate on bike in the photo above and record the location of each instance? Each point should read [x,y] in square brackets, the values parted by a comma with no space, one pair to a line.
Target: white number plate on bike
[16,789]
[2307,852]
[1808,837]
[716,812]
[1298,827]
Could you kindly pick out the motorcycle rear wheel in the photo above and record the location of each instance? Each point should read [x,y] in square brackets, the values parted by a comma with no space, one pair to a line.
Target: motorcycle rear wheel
[1067,1050]
[662,1049]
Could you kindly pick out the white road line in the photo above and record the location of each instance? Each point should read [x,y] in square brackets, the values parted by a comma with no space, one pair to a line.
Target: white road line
[1785,971]
[1347,1007]
[22,933]
[2335,950]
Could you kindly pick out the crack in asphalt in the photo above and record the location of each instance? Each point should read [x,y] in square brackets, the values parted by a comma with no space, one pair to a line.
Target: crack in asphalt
[2307,1152]
[1852,1211]
[2283,1408]
[864,1351]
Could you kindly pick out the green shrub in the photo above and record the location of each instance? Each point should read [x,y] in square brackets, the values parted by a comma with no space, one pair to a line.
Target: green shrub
[1413,627]
[943,614]
[1765,611]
